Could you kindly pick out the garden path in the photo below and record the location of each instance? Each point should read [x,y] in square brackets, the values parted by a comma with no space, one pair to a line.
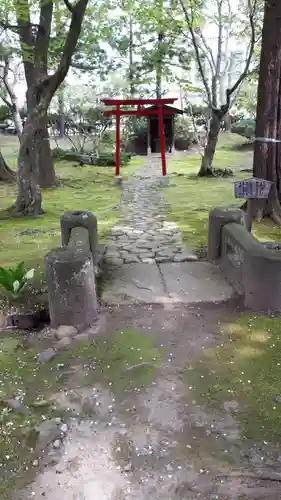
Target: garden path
[148,260]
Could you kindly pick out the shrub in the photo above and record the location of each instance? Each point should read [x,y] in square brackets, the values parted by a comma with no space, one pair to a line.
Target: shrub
[104,160]
[246,128]
[184,134]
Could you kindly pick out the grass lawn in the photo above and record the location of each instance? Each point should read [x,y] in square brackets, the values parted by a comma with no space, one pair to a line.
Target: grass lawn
[245,367]
[191,198]
[82,188]
[100,362]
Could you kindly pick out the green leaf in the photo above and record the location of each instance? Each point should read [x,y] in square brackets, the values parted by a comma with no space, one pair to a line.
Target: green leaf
[18,272]
[6,279]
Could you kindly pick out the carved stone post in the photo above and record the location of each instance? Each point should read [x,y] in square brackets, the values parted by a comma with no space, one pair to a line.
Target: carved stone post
[80,219]
[71,287]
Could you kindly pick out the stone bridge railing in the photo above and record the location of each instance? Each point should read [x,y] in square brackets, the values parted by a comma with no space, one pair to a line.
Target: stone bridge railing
[251,267]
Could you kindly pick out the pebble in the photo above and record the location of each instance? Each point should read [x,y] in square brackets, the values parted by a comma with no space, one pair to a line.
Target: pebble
[46,355]
[56,444]
[128,467]
[64,428]
[66,331]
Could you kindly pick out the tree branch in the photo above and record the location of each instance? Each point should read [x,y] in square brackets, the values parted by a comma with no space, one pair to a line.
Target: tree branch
[70,44]
[69,6]
[252,10]
[210,58]
[196,50]
[43,36]
[24,27]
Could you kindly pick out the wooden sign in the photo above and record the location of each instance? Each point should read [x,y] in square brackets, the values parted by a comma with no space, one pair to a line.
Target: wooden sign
[252,188]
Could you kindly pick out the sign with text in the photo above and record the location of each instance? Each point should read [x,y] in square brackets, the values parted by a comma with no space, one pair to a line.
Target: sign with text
[252,188]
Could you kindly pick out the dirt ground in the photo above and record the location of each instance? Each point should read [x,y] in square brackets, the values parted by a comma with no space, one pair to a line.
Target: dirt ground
[159,441]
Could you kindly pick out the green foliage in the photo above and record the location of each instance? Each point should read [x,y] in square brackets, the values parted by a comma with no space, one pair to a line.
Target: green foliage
[5,113]
[246,128]
[103,160]
[14,280]
[183,128]
[247,98]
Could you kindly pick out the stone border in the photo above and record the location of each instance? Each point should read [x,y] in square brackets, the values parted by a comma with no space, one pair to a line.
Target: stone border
[67,335]
[252,268]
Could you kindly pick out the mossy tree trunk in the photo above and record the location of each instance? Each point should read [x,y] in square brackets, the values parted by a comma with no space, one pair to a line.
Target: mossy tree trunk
[267,150]
[35,166]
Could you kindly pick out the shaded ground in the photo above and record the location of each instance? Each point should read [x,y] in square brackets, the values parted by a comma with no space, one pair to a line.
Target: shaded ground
[173,402]
[155,437]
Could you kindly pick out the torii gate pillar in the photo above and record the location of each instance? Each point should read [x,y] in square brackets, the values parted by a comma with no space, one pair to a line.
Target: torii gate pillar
[140,111]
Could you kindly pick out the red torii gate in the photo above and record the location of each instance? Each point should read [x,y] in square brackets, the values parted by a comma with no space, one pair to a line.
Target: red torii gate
[140,111]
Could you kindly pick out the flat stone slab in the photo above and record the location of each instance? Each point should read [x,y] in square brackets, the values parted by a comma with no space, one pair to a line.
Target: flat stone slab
[183,282]
[193,282]
[133,283]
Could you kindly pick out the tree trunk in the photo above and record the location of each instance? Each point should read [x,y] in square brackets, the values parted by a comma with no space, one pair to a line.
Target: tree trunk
[29,198]
[268,121]
[206,168]
[46,171]
[6,174]
[45,168]
[227,122]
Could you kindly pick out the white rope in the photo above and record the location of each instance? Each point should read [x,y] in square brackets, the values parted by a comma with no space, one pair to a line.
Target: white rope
[266,139]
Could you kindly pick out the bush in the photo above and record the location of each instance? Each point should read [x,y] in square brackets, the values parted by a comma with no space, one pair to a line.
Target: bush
[184,134]
[104,160]
[246,128]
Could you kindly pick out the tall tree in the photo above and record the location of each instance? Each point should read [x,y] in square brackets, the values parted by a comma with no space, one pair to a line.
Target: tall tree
[267,146]
[216,62]
[35,165]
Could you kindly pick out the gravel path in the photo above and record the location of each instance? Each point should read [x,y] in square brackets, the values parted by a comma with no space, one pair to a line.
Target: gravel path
[144,235]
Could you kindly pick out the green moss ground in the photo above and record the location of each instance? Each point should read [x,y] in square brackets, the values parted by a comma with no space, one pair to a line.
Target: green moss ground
[191,198]
[245,366]
[103,362]
[82,188]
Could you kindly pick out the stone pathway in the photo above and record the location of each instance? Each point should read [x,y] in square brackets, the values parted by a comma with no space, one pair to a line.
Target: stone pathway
[158,267]
[144,235]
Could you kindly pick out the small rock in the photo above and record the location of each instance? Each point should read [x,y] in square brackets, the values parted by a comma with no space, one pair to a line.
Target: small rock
[161,260]
[148,261]
[278,399]
[64,428]
[40,403]
[66,331]
[49,431]
[169,468]
[46,355]
[56,444]
[116,261]
[82,337]
[185,257]
[131,259]
[63,343]
[35,463]
[128,467]
[231,406]
[17,406]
